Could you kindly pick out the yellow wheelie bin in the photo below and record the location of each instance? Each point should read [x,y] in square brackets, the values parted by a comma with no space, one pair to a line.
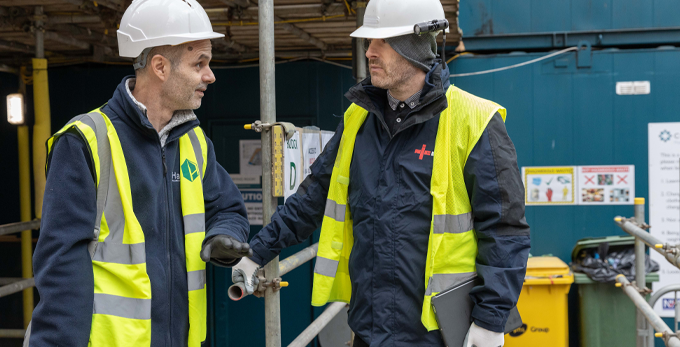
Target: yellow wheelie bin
[543,305]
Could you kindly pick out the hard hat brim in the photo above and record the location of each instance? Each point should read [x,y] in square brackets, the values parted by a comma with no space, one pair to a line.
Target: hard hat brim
[136,48]
[367,32]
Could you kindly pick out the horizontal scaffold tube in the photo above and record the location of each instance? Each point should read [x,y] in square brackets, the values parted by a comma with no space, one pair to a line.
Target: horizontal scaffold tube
[16,287]
[315,328]
[237,291]
[648,312]
[669,252]
[12,333]
[20,226]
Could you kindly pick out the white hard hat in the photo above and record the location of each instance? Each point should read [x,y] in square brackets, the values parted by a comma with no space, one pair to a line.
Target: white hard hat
[390,18]
[153,23]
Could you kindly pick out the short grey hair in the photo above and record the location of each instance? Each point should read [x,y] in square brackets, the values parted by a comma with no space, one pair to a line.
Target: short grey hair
[172,53]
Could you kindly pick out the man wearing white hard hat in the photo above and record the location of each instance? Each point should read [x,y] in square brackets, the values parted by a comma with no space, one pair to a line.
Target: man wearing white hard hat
[135,203]
[418,191]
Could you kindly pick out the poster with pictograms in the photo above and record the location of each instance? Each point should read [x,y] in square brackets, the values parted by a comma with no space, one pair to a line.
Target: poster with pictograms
[549,185]
[606,185]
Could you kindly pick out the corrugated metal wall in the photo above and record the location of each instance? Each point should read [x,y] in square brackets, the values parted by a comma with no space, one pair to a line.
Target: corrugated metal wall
[563,115]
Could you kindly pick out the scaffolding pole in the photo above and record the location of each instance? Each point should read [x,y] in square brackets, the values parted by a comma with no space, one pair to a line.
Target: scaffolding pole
[313,329]
[648,312]
[272,304]
[640,269]
[670,252]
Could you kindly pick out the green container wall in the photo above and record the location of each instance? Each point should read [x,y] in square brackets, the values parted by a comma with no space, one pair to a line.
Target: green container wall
[559,114]
[498,17]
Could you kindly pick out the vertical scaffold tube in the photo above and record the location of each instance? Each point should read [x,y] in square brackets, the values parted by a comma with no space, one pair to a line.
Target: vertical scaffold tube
[25,209]
[272,302]
[640,271]
[41,127]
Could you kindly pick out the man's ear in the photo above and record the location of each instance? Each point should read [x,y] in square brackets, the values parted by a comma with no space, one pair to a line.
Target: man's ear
[160,66]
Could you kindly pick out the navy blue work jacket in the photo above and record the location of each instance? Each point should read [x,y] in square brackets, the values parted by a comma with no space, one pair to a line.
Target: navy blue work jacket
[63,268]
[391,205]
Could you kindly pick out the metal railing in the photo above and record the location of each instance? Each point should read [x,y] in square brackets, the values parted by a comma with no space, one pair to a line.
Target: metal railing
[237,292]
[16,285]
[636,291]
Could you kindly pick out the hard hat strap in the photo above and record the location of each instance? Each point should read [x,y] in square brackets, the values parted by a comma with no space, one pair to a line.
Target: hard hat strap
[140,61]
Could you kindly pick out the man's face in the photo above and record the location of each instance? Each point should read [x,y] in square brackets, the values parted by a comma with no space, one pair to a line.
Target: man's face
[188,81]
[388,69]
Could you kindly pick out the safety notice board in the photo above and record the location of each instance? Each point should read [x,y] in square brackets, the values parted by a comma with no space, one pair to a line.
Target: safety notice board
[549,185]
[606,185]
[579,185]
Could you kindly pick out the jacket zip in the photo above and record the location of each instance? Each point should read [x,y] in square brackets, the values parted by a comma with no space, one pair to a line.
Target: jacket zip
[167,239]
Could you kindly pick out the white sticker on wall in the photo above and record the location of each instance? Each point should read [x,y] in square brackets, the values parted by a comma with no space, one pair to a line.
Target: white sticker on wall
[633,88]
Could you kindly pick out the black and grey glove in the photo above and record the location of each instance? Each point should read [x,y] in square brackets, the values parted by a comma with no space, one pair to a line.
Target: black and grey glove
[224,250]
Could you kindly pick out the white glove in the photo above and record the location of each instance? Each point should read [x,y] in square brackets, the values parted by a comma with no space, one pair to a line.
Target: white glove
[480,337]
[246,272]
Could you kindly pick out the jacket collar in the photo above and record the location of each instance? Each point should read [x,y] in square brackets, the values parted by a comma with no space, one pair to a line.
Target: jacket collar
[432,100]
[122,106]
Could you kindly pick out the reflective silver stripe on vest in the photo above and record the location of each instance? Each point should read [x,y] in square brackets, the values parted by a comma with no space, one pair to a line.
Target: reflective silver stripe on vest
[441,282]
[335,210]
[96,121]
[196,279]
[194,223]
[325,266]
[197,148]
[120,306]
[454,224]
[112,250]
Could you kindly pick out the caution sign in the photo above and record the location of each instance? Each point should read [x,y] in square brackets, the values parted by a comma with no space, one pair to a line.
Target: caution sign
[549,185]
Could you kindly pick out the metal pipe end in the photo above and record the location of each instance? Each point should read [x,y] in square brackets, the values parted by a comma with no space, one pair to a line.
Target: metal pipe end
[639,201]
[236,292]
[618,219]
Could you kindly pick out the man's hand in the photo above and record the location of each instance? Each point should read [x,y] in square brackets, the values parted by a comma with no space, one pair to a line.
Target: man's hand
[225,249]
[480,337]
[246,272]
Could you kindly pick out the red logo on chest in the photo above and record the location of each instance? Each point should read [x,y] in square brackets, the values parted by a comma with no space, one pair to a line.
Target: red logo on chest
[423,152]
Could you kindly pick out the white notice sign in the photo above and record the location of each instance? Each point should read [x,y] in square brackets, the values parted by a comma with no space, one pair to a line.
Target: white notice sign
[310,149]
[250,157]
[253,201]
[664,203]
[292,165]
[606,185]
[325,137]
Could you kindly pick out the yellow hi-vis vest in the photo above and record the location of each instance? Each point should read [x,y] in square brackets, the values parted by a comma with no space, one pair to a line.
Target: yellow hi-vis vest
[452,247]
[121,314]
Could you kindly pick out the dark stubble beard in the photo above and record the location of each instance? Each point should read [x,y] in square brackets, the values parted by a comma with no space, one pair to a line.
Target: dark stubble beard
[181,90]
[395,75]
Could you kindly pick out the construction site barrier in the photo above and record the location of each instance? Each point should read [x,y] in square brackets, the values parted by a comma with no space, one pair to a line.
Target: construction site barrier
[669,337]
[645,330]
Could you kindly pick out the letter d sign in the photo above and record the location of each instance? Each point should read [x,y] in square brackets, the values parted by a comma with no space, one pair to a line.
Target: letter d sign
[293,175]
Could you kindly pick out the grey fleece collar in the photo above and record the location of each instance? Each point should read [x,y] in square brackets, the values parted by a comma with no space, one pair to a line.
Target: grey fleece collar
[178,118]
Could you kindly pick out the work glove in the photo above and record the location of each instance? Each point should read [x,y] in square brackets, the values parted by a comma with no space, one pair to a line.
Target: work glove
[246,272]
[480,337]
[224,250]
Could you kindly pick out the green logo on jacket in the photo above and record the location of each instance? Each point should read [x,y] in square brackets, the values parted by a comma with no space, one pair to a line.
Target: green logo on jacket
[189,170]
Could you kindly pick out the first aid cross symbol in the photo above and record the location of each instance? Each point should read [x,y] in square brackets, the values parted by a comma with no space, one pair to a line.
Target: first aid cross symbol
[422,152]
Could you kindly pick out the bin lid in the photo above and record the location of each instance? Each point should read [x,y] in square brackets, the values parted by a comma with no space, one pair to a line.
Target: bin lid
[548,271]
[594,242]
[581,278]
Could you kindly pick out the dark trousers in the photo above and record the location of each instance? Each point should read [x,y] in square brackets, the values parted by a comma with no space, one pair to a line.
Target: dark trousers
[358,342]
